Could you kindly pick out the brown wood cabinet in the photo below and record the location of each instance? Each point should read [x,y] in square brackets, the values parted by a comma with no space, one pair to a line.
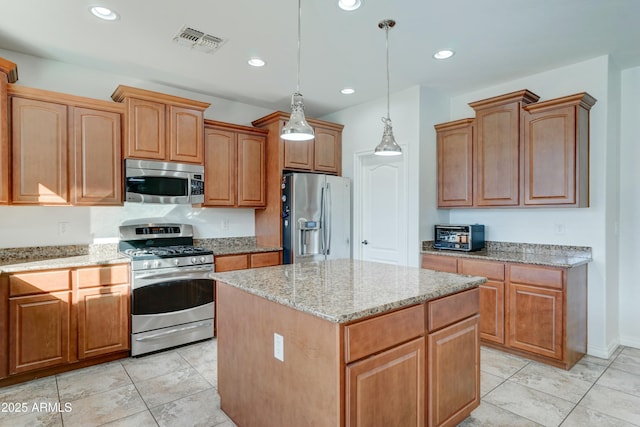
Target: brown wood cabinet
[65,149]
[497,154]
[525,153]
[57,320]
[96,157]
[455,163]
[535,311]
[322,155]
[556,151]
[102,296]
[235,165]
[247,260]
[162,127]
[8,74]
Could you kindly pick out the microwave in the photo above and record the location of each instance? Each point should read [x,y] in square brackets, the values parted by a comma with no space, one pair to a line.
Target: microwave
[148,181]
[459,237]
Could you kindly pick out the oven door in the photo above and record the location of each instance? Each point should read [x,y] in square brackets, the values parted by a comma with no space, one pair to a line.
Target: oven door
[171,296]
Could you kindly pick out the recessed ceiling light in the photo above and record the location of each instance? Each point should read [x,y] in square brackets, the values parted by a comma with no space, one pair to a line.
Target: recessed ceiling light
[349,4]
[256,62]
[443,54]
[104,13]
[347,91]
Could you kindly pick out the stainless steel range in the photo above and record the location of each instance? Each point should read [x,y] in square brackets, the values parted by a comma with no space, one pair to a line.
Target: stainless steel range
[171,291]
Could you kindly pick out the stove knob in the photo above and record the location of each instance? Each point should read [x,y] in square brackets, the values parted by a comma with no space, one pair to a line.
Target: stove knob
[176,261]
[193,260]
[145,264]
[156,263]
[202,260]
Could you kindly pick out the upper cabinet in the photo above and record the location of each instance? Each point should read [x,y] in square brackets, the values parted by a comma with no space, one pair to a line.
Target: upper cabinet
[65,149]
[497,154]
[525,153]
[8,74]
[323,154]
[235,165]
[162,127]
[556,151]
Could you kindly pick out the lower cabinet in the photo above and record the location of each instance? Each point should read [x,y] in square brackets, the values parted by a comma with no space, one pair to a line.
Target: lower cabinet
[388,388]
[59,317]
[536,311]
[247,260]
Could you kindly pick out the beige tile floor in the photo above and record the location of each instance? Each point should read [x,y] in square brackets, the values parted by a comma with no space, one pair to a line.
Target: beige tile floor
[178,388]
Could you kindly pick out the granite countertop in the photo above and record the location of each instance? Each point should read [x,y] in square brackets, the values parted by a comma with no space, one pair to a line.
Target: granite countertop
[524,253]
[233,245]
[30,264]
[344,290]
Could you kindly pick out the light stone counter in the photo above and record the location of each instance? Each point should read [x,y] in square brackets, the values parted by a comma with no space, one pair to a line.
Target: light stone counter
[345,290]
[17,265]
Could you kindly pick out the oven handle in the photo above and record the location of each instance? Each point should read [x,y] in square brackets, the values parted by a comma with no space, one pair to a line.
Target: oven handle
[171,273]
[174,331]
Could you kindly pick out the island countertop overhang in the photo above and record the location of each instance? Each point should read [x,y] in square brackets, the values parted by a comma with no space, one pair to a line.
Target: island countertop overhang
[346,290]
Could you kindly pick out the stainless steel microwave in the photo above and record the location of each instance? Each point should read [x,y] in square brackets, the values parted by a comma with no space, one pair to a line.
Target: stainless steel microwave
[148,181]
[459,237]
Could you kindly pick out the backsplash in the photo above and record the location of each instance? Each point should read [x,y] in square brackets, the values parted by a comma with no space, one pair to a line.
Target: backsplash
[527,248]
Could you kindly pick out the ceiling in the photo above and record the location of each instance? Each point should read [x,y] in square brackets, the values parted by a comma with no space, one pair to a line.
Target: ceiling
[494,41]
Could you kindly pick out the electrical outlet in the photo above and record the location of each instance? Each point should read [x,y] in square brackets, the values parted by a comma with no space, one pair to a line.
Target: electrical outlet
[278,347]
[560,228]
[224,224]
[63,227]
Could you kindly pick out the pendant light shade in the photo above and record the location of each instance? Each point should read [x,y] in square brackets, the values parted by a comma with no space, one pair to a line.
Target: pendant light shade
[388,145]
[297,129]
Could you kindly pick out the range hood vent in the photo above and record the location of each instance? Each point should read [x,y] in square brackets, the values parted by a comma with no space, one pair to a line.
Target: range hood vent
[196,39]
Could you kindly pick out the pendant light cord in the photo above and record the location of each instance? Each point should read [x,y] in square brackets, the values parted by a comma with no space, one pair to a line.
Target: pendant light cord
[299,18]
[388,90]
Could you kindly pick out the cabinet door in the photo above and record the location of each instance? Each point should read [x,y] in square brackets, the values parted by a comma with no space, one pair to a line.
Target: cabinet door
[103,320]
[39,331]
[298,155]
[96,157]
[455,164]
[453,376]
[387,388]
[39,141]
[146,129]
[186,135]
[220,168]
[550,157]
[535,319]
[327,149]
[497,176]
[251,170]
[448,264]
[4,141]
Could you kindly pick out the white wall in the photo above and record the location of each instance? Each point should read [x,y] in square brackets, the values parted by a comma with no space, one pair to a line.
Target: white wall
[584,227]
[630,210]
[35,225]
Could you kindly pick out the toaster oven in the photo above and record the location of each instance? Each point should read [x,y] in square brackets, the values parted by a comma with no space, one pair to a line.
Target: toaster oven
[459,237]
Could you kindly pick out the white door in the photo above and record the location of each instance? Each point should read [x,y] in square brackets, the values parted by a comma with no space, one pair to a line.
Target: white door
[381,209]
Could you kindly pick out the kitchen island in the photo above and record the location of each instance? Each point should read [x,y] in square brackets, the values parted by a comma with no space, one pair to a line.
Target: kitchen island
[347,343]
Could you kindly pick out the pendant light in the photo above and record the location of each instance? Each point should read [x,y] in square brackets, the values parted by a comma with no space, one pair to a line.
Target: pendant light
[388,146]
[297,129]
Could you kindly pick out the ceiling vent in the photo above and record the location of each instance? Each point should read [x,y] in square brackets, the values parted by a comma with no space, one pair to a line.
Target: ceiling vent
[198,40]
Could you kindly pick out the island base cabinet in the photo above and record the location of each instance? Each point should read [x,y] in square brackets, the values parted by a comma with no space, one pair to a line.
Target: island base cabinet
[387,388]
[453,375]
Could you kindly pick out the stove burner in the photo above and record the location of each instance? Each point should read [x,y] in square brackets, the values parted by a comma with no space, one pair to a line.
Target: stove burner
[166,251]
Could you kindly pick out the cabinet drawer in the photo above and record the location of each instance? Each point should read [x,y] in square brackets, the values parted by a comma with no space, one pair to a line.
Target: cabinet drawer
[101,276]
[231,262]
[452,308]
[488,269]
[382,332]
[265,259]
[537,276]
[440,263]
[38,283]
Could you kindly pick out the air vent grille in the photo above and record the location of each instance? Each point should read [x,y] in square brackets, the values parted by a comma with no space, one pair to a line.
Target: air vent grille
[196,39]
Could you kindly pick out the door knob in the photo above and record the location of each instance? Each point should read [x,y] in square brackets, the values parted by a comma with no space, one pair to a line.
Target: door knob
[365,242]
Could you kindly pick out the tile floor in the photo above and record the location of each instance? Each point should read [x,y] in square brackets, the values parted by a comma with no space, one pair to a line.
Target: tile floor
[178,388]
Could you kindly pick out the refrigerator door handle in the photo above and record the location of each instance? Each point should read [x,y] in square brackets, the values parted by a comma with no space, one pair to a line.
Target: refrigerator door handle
[323,220]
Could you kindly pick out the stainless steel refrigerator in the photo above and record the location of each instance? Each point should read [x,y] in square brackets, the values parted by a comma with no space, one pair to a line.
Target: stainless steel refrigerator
[316,217]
